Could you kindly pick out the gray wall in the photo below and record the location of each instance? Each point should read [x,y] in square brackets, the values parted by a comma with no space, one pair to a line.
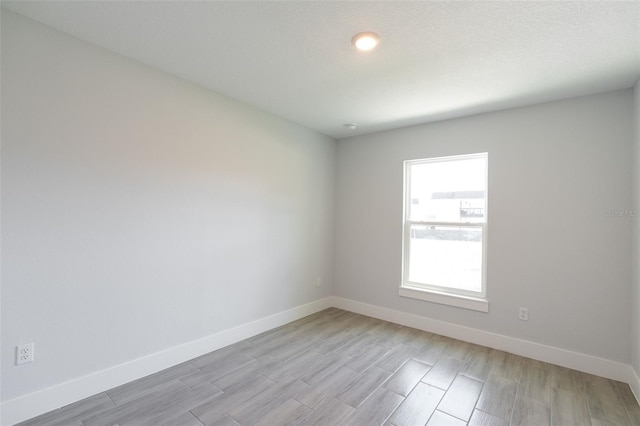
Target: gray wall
[141,212]
[554,171]
[635,299]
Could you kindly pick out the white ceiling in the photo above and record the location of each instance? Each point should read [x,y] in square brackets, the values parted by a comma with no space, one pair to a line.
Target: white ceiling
[436,60]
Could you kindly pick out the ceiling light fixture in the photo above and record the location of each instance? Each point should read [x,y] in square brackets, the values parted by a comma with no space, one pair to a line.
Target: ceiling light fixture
[366,40]
[350,126]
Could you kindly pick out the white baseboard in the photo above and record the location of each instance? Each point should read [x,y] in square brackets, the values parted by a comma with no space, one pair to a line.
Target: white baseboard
[577,361]
[25,407]
[634,383]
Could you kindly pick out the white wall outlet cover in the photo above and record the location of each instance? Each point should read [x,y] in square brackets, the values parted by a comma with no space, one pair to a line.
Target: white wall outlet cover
[24,353]
[523,314]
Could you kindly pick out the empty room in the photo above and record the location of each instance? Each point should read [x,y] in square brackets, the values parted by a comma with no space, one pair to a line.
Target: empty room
[320,213]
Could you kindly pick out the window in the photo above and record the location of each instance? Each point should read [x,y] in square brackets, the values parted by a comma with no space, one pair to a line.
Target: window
[445,230]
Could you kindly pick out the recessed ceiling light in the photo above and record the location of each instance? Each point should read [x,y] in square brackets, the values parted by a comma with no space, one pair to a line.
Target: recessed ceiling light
[350,126]
[366,40]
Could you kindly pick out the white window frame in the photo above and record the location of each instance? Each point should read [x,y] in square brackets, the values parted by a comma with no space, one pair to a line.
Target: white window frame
[432,292]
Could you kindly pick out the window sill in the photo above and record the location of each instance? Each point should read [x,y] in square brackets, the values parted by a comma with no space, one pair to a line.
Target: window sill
[466,302]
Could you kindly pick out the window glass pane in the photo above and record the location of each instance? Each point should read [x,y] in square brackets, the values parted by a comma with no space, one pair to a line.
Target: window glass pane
[446,256]
[448,191]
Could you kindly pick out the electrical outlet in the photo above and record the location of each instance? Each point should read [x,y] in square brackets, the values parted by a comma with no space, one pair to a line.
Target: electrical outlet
[523,314]
[318,282]
[24,353]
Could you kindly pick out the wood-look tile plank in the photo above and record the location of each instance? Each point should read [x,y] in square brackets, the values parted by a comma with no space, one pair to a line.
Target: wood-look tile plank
[376,409]
[477,363]
[442,373]
[331,328]
[315,371]
[506,365]
[222,421]
[419,338]
[397,336]
[331,412]
[565,379]
[147,403]
[630,403]
[441,419]
[252,410]
[334,342]
[386,335]
[268,346]
[596,422]
[530,412]
[152,407]
[604,400]
[62,423]
[294,366]
[535,383]
[54,422]
[397,356]
[357,345]
[356,392]
[418,406]
[246,372]
[431,352]
[219,407]
[169,417]
[212,371]
[368,357]
[170,410]
[497,396]
[569,408]
[184,419]
[536,363]
[359,325]
[461,398]
[407,377]
[327,387]
[456,349]
[480,418]
[287,412]
[290,348]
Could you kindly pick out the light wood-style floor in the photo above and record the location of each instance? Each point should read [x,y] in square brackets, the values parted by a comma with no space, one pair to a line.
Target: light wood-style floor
[339,368]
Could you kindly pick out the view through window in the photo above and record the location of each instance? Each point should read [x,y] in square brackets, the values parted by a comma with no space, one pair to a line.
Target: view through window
[445,224]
